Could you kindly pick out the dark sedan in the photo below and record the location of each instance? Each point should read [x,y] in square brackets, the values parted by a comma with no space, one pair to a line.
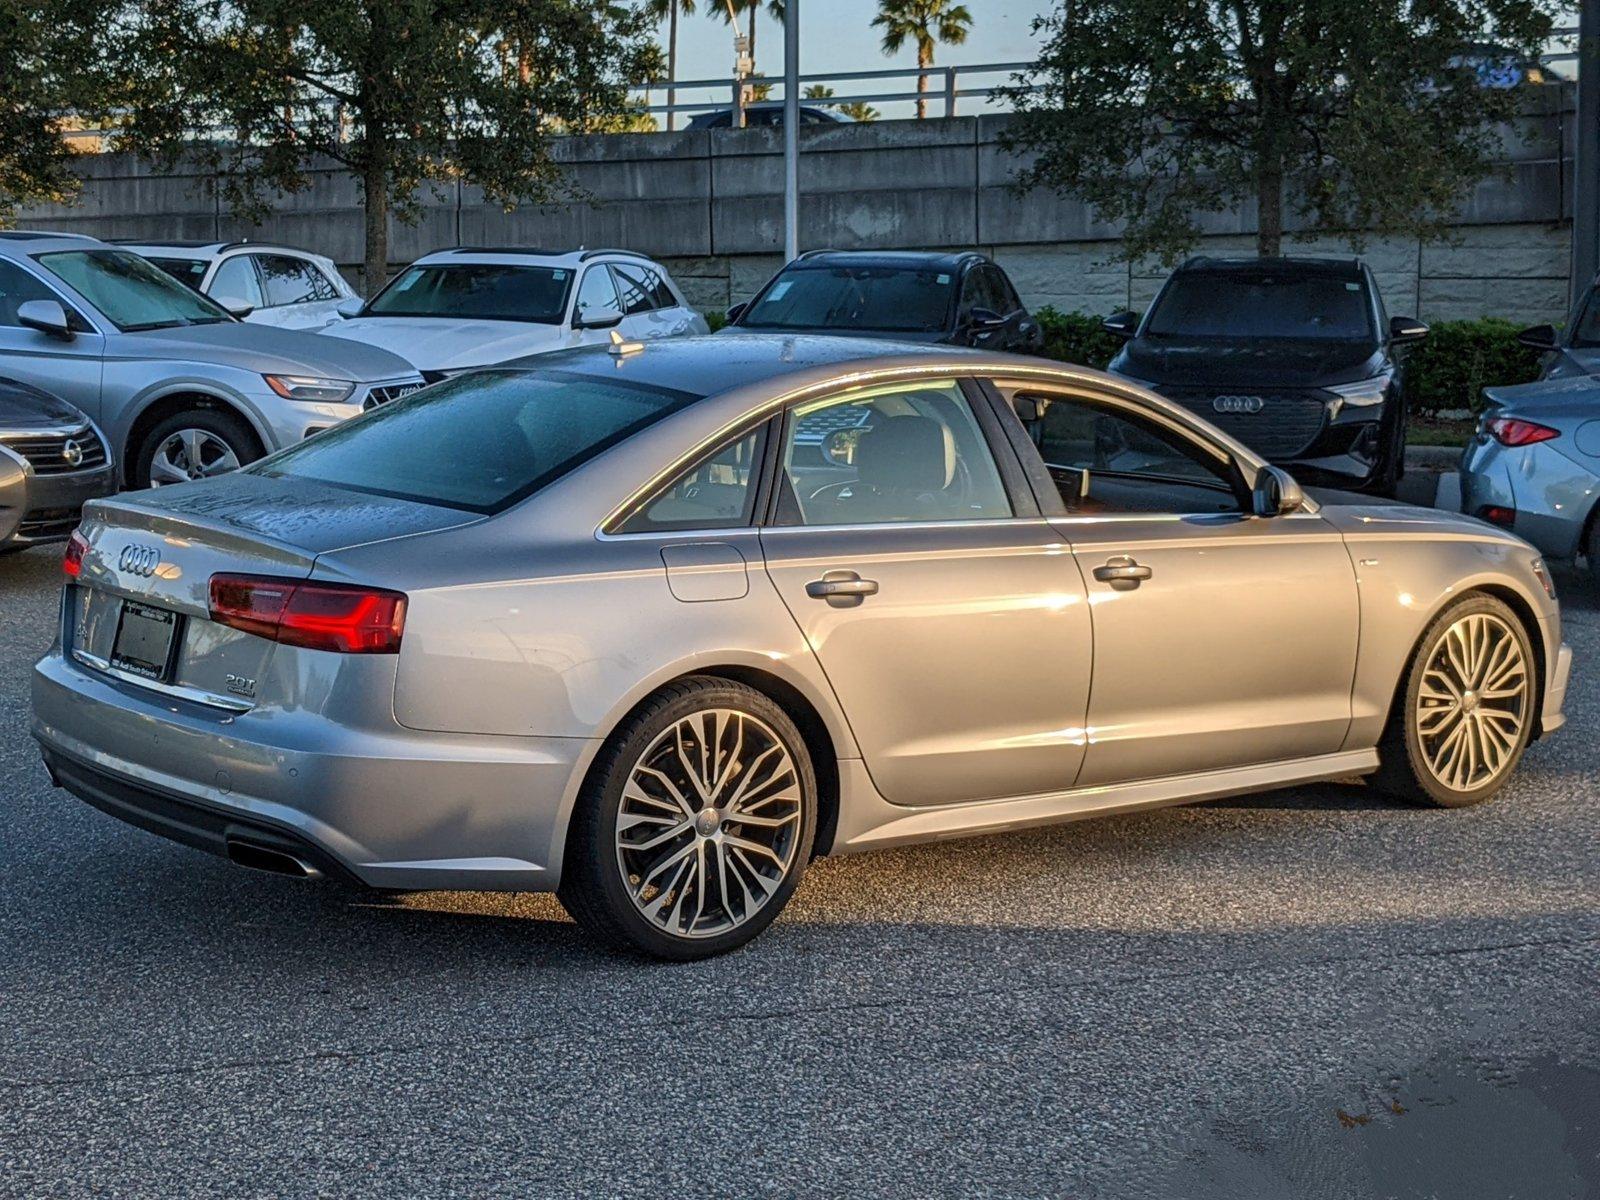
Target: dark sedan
[52,460]
[956,299]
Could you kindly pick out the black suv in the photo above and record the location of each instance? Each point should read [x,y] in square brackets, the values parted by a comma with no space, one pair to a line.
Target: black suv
[961,299]
[1295,357]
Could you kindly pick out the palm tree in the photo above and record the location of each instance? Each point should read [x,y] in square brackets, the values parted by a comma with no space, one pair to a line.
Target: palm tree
[669,10]
[924,22]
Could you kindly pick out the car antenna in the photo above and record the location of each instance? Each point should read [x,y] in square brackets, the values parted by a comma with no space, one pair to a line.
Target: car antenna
[621,348]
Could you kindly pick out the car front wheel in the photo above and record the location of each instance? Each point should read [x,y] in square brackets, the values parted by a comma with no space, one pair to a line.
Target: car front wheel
[193,445]
[695,825]
[1467,708]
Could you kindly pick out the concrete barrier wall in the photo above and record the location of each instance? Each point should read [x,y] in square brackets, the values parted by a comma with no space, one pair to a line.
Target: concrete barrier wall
[710,205]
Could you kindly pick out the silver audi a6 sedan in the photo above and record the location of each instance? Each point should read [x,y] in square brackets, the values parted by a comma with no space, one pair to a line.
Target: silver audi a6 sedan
[655,625]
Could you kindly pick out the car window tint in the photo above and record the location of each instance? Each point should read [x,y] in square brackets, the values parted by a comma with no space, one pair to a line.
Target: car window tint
[714,494]
[1007,294]
[596,294]
[1263,304]
[637,287]
[880,299]
[482,291]
[1107,460]
[236,280]
[904,453]
[293,280]
[17,287]
[187,271]
[481,441]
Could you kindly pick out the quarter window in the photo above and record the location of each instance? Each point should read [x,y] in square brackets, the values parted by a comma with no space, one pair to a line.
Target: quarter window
[717,493]
[897,454]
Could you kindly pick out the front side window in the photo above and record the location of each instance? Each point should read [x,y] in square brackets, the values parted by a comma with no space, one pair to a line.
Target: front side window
[293,280]
[133,293]
[1262,304]
[596,295]
[17,287]
[880,299]
[718,493]
[477,291]
[890,454]
[235,281]
[1107,460]
[479,442]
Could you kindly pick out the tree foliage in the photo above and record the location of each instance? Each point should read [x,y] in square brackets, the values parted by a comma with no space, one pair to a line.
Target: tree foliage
[923,23]
[404,93]
[1353,117]
[49,55]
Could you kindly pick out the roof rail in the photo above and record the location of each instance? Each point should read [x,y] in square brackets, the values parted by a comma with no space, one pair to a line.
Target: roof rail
[530,251]
[586,255]
[23,235]
[801,257]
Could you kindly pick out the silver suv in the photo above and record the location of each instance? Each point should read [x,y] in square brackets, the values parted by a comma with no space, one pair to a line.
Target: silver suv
[181,388]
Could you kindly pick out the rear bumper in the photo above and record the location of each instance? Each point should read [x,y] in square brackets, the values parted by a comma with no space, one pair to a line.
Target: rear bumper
[392,809]
[1551,494]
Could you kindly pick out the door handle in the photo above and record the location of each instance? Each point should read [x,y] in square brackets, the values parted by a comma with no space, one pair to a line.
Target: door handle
[842,589]
[1123,573]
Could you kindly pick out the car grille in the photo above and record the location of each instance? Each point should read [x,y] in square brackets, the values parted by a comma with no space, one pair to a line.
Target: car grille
[43,523]
[59,453]
[393,391]
[1285,427]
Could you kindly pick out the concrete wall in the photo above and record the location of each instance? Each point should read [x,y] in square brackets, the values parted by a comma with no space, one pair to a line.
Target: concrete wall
[709,204]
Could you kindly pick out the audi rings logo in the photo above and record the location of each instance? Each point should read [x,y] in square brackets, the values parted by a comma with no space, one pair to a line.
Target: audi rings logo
[1238,404]
[139,560]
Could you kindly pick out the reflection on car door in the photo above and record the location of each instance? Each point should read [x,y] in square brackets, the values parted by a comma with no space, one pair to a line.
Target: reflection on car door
[298,294]
[947,614]
[70,369]
[1221,639]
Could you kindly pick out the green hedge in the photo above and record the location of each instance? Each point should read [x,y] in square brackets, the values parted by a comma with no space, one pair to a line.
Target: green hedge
[1449,370]
[716,318]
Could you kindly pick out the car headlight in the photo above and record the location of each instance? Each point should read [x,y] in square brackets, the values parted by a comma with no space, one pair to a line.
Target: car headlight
[1363,393]
[310,388]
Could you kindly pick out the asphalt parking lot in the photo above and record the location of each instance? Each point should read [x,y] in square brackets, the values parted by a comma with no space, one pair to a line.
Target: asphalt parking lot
[1310,993]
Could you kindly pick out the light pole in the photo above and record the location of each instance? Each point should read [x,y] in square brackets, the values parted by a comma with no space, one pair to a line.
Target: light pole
[791,128]
[1586,154]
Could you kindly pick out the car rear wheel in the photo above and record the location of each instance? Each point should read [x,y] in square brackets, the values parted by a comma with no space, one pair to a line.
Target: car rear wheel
[1466,710]
[695,825]
[198,444]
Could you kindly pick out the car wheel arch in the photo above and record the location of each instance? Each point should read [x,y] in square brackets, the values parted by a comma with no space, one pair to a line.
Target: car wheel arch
[157,408]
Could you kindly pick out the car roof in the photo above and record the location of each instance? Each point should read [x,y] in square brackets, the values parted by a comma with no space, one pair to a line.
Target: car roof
[525,256]
[941,260]
[35,241]
[1338,268]
[205,249]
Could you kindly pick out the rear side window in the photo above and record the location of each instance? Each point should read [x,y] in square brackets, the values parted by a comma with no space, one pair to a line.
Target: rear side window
[717,493]
[479,442]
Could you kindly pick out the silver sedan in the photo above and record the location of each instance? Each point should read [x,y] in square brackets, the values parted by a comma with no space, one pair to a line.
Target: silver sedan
[655,626]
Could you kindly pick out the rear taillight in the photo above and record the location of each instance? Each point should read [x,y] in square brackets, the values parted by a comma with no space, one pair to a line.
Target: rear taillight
[72,560]
[1498,514]
[341,617]
[1509,431]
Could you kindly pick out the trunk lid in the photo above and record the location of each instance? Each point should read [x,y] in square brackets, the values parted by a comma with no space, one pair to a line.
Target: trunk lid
[146,576]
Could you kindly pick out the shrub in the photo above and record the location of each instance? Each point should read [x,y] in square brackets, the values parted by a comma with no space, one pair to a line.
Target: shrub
[715,318]
[1450,369]
[1075,337]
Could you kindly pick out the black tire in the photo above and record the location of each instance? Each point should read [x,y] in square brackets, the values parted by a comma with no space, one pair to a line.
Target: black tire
[1404,770]
[593,887]
[220,423]
[1385,481]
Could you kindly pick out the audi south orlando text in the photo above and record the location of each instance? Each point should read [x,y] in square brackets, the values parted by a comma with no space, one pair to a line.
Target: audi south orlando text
[654,625]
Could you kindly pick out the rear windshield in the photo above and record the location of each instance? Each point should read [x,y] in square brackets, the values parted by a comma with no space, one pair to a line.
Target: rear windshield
[479,442]
[879,299]
[483,292]
[1236,304]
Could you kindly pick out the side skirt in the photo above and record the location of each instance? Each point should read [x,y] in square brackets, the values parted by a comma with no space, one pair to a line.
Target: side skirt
[868,822]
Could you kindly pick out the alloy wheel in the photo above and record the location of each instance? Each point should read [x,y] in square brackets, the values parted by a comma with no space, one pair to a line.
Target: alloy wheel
[191,454]
[709,823]
[1473,702]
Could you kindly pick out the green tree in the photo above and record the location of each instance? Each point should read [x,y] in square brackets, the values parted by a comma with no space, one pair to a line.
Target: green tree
[856,110]
[1358,118]
[668,10]
[50,54]
[925,23]
[403,93]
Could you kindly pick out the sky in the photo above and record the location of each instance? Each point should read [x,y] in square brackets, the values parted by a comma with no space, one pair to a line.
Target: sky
[836,35]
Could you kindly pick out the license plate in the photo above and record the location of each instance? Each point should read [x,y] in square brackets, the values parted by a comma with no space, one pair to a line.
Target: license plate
[146,644]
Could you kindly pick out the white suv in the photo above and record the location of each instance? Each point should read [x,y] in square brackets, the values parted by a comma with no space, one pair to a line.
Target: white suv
[260,282]
[455,310]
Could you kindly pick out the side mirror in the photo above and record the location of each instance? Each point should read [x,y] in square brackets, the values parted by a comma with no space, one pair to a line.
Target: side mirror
[1276,493]
[351,307]
[1540,337]
[598,318]
[235,306]
[1407,329]
[47,316]
[1123,324]
[735,311]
